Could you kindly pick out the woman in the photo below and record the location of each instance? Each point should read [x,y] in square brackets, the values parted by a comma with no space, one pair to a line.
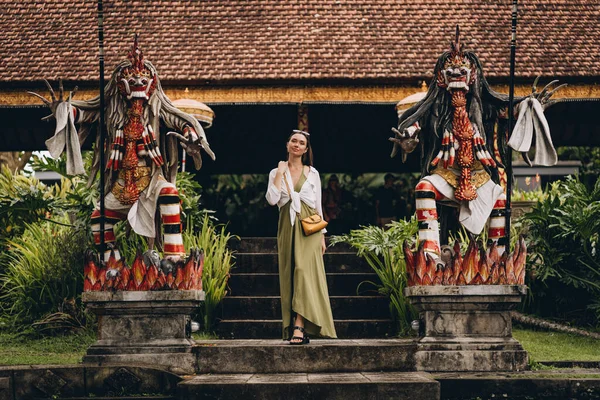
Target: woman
[295,186]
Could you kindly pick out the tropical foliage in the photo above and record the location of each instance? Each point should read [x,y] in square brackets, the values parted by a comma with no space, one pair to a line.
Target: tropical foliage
[79,197]
[218,261]
[589,158]
[464,237]
[43,276]
[45,230]
[528,195]
[564,231]
[191,200]
[23,200]
[382,249]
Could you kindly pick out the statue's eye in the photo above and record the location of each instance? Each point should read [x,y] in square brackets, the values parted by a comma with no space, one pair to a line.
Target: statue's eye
[131,81]
[145,81]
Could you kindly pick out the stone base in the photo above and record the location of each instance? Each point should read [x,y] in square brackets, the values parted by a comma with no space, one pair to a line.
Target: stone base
[146,327]
[467,328]
[471,354]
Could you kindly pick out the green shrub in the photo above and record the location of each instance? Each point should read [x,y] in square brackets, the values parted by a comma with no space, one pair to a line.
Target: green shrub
[44,233]
[564,232]
[128,242]
[23,200]
[73,194]
[190,197]
[44,269]
[218,261]
[382,249]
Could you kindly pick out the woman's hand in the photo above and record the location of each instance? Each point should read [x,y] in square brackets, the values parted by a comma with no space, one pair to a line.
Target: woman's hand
[282,167]
[323,245]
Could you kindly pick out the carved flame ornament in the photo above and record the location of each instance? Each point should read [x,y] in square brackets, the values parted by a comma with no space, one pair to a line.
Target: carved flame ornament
[476,267]
[143,275]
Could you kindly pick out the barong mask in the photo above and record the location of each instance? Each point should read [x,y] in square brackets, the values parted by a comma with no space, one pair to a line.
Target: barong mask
[458,72]
[136,81]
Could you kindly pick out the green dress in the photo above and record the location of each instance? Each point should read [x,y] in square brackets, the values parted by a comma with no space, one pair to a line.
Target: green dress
[302,275]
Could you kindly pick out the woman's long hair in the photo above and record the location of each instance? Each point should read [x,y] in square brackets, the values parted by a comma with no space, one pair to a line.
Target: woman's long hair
[307,158]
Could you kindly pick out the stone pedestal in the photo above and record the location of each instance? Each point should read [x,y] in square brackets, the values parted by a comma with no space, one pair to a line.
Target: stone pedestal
[147,327]
[467,328]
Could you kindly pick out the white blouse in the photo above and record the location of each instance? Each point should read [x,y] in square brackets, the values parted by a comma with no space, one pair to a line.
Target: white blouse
[310,193]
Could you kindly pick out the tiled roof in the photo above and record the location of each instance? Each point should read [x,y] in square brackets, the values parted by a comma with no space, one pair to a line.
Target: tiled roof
[242,41]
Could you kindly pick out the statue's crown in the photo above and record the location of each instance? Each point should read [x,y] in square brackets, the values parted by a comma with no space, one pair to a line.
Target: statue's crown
[456,46]
[136,56]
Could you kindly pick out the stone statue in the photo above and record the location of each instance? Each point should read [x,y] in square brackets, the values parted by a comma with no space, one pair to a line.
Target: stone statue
[458,127]
[141,162]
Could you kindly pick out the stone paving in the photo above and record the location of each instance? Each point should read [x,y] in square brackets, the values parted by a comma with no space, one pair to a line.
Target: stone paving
[358,385]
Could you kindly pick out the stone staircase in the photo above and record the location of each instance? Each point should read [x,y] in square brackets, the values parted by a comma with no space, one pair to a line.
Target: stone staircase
[323,369]
[257,364]
[252,310]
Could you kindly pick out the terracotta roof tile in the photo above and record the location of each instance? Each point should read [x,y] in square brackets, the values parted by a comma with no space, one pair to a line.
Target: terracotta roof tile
[212,41]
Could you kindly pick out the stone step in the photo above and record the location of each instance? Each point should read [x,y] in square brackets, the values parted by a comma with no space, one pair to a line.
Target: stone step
[269,245]
[271,329]
[334,386]
[267,284]
[267,263]
[117,398]
[274,356]
[559,384]
[269,307]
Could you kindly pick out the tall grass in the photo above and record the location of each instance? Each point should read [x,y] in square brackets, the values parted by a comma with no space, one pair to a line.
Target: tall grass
[218,261]
[464,237]
[43,269]
[128,242]
[382,249]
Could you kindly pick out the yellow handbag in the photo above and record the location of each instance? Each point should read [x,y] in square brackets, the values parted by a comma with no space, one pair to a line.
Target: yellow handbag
[311,224]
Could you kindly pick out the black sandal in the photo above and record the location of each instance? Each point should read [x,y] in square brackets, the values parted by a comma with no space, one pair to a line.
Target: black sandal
[302,339]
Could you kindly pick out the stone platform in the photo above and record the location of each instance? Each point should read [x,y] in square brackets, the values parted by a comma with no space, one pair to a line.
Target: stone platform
[144,328]
[321,355]
[467,328]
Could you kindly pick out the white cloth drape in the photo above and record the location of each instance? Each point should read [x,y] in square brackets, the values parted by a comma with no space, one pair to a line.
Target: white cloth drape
[532,121]
[65,136]
[310,193]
